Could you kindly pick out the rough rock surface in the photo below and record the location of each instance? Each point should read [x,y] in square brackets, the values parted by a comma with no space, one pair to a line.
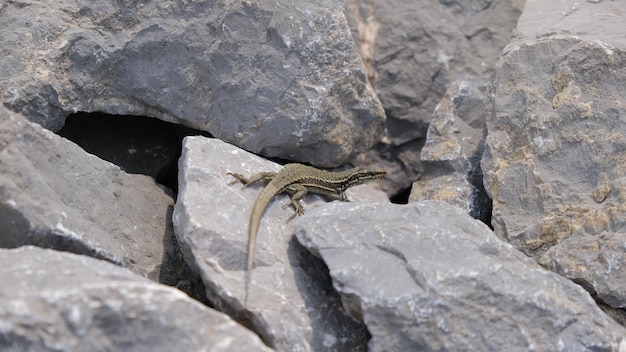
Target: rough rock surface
[427,277]
[454,147]
[283,78]
[554,159]
[53,194]
[414,50]
[278,78]
[56,301]
[291,305]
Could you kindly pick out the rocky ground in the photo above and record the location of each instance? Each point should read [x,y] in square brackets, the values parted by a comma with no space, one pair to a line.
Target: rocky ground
[120,228]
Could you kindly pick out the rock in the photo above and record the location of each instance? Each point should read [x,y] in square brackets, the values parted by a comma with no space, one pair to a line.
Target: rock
[420,47]
[554,157]
[291,305]
[457,129]
[56,301]
[595,262]
[280,78]
[427,277]
[450,187]
[453,149]
[415,50]
[53,194]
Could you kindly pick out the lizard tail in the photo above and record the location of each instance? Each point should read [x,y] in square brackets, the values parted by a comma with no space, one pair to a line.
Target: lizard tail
[253,228]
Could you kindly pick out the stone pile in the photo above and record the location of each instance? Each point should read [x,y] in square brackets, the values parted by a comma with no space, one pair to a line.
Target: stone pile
[96,257]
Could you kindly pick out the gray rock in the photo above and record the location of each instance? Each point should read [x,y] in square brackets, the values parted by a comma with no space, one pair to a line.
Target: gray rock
[427,277]
[595,262]
[554,157]
[420,47]
[278,78]
[453,149]
[414,50]
[457,129]
[53,194]
[291,305]
[56,301]
[450,187]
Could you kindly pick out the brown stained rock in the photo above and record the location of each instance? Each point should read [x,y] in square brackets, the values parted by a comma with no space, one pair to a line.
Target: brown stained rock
[555,160]
[453,149]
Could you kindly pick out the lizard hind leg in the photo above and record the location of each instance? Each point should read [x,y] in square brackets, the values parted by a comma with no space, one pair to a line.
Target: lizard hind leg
[297,192]
[298,210]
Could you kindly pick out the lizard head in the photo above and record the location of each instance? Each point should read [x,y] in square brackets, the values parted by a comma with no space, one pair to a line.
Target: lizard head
[362,174]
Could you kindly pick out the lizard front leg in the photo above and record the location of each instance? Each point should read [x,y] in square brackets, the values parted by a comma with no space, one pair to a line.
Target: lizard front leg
[261,176]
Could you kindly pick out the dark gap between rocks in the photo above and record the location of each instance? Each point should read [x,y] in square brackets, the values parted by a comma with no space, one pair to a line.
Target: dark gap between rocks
[137,144]
[401,197]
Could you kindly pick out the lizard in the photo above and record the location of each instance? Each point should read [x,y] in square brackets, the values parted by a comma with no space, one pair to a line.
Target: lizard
[297,180]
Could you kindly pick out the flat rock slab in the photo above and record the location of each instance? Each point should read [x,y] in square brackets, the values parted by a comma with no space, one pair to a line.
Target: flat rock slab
[291,305]
[57,301]
[427,277]
[54,194]
[281,78]
[554,157]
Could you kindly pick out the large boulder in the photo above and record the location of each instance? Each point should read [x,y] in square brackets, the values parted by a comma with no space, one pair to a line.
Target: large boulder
[554,161]
[53,194]
[56,301]
[427,277]
[278,78]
